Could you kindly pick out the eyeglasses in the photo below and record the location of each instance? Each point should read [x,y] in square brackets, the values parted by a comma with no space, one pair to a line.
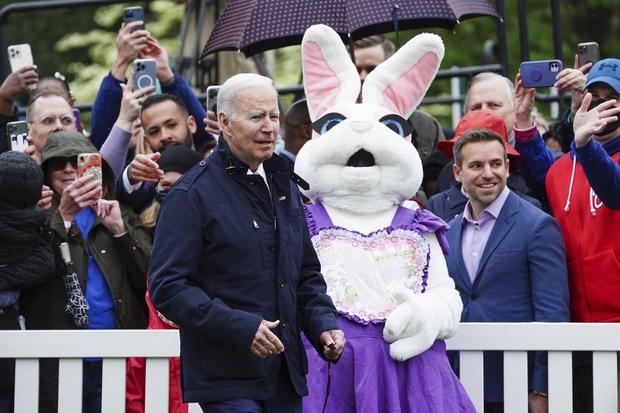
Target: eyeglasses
[57,164]
[51,120]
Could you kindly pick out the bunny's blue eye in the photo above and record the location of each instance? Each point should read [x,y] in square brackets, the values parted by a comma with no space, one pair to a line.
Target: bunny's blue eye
[328,121]
[398,124]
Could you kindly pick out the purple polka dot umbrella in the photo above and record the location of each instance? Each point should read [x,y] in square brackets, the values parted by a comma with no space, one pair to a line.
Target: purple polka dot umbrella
[253,26]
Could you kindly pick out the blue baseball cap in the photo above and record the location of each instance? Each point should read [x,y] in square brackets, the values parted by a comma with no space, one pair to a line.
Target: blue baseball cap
[605,71]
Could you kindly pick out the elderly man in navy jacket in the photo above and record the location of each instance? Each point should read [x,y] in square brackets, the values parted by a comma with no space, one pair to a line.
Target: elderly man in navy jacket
[233,266]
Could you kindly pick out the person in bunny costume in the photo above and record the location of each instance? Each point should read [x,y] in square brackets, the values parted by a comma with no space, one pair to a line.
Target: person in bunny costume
[383,263]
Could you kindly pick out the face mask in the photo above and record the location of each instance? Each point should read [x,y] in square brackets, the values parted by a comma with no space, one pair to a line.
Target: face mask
[161,195]
[610,127]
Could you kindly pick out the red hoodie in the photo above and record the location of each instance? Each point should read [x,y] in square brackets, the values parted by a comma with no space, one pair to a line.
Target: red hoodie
[590,231]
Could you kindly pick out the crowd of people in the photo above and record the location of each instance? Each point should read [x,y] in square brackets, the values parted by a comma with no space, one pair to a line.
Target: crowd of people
[190,208]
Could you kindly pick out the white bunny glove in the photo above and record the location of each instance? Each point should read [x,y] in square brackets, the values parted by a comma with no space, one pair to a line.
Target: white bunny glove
[420,319]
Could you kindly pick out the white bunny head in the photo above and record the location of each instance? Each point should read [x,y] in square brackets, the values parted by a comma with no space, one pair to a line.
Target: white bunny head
[362,159]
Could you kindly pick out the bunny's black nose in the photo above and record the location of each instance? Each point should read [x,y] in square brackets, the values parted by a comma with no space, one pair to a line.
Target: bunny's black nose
[361,159]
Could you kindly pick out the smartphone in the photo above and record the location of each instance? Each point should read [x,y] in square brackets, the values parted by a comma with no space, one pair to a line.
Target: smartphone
[588,53]
[132,14]
[540,73]
[90,164]
[145,73]
[20,55]
[17,132]
[212,98]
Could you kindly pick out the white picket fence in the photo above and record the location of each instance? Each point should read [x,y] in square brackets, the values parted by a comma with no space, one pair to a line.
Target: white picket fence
[515,339]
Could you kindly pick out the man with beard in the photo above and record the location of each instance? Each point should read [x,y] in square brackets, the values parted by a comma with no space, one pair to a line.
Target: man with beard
[166,122]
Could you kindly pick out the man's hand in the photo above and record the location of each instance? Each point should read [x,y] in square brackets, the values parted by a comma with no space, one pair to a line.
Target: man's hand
[588,122]
[211,125]
[523,104]
[46,198]
[573,80]
[110,214]
[81,193]
[538,403]
[144,168]
[15,84]
[333,343]
[128,47]
[266,343]
[131,103]
[158,53]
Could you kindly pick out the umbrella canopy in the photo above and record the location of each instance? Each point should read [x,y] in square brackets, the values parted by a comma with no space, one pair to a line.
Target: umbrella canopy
[253,26]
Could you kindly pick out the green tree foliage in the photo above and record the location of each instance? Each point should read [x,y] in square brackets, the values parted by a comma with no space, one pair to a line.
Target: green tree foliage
[80,41]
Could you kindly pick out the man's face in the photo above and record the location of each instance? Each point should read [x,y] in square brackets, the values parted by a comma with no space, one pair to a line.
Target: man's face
[49,114]
[492,94]
[602,92]
[298,132]
[483,172]
[63,171]
[367,59]
[165,125]
[252,129]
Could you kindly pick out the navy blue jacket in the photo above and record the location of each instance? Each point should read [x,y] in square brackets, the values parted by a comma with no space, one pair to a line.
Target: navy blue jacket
[522,277]
[223,260]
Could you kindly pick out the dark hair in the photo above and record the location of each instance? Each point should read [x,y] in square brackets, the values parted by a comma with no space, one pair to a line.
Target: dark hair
[164,97]
[473,136]
[370,41]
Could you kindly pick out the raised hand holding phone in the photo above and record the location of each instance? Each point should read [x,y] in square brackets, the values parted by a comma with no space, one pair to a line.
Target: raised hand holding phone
[20,59]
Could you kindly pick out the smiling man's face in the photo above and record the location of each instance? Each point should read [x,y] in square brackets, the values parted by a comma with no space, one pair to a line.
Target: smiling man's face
[483,171]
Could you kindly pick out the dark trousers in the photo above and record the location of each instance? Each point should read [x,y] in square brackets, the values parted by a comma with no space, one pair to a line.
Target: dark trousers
[285,400]
[91,386]
[582,382]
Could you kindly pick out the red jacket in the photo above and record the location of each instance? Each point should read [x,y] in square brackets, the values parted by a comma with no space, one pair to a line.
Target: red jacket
[590,232]
[136,372]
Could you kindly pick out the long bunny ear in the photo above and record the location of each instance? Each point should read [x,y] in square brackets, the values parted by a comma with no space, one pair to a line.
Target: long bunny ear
[401,82]
[329,74]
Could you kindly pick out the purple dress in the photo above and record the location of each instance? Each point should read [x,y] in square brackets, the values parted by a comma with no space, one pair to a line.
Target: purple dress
[366,378]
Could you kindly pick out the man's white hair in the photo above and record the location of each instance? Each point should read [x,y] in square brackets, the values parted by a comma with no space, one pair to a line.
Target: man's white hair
[484,76]
[228,92]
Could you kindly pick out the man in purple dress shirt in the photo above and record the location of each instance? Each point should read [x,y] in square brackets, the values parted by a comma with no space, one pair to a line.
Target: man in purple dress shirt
[506,258]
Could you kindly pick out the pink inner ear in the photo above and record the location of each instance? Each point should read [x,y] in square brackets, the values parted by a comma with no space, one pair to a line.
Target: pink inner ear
[402,94]
[321,82]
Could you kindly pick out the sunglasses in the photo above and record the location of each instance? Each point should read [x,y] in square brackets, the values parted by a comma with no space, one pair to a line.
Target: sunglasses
[57,164]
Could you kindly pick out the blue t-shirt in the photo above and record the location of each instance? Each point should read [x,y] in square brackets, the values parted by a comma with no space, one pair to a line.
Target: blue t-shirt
[101,314]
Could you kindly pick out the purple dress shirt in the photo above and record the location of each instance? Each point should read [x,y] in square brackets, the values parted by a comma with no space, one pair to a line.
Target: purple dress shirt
[476,232]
